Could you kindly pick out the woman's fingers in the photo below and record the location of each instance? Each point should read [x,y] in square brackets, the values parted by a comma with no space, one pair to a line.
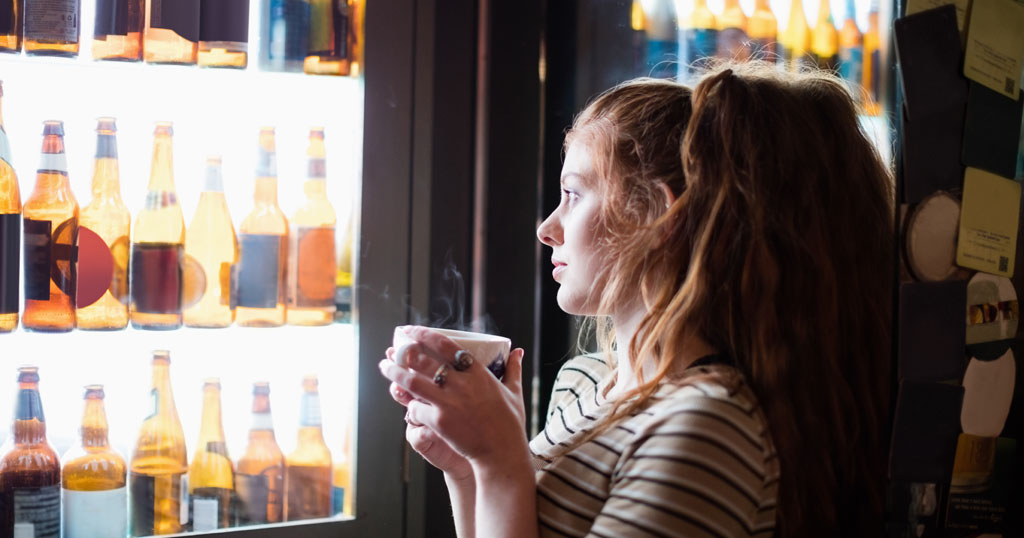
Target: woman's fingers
[422,414]
[416,384]
[399,395]
[440,346]
[514,371]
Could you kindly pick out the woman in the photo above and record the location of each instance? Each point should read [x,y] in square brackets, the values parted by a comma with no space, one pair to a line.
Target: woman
[734,245]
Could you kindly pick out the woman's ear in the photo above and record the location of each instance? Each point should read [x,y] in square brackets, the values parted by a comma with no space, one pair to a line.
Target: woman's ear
[668,196]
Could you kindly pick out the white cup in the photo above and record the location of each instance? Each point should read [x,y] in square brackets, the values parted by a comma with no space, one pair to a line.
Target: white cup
[491,350]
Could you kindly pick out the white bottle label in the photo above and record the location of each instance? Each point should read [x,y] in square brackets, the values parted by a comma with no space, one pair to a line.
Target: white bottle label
[262,421]
[52,20]
[95,514]
[183,500]
[204,514]
[310,411]
[53,162]
[5,148]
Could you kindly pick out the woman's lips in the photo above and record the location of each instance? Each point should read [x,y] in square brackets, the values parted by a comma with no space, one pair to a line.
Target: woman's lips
[559,267]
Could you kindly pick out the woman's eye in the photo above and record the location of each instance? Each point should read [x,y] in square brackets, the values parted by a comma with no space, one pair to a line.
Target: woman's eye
[570,195]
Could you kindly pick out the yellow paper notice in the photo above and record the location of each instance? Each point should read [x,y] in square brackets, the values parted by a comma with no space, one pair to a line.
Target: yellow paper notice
[995,45]
[915,6]
[988,223]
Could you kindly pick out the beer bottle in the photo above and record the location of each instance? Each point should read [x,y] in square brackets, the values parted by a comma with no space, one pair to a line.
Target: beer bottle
[211,476]
[10,232]
[356,36]
[732,32]
[94,490]
[171,34]
[103,240]
[158,244]
[637,22]
[307,476]
[263,247]
[825,39]
[118,31]
[329,40]
[872,62]
[311,258]
[795,40]
[224,33]
[29,470]
[341,482]
[51,240]
[661,33]
[700,35]
[11,25]
[286,35]
[345,275]
[211,242]
[52,28]
[158,488]
[762,29]
[851,59]
[260,477]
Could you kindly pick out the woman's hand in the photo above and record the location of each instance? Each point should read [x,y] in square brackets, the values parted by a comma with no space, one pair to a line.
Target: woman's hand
[481,418]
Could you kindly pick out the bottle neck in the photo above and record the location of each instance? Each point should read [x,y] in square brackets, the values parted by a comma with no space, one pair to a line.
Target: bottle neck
[1,113]
[29,422]
[211,428]
[162,388]
[106,182]
[310,413]
[796,9]
[94,424]
[762,5]
[214,181]
[824,11]
[161,178]
[265,191]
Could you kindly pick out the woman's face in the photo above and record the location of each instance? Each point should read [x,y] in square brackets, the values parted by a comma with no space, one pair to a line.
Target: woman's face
[572,230]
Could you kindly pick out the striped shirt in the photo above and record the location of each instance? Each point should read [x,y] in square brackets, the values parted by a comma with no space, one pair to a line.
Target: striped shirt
[695,460]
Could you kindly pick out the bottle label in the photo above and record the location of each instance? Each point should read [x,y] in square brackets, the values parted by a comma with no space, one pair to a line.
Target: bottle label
[183,501]
[662,58]
[5,144]
[204,513]
[313,500]
[289,23]
[253,495]
[95,514]
[311,268]
[337,499]
[10,238]
[156,282]
[698,44]
[52,20]
[39,507]
[156,498]
[53,163]
[181,16]
[316,168]
[224,20]
[262,421]
[160,199]
[118,17]
[30,406]
[37,259]
[310,412]
[259,271]
[106,146]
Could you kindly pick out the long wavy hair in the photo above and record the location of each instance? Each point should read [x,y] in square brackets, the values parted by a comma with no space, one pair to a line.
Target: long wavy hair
[776,251]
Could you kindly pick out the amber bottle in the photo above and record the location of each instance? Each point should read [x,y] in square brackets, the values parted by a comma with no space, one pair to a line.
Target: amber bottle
[795,40]
[311,258]
[158,489]
[763,29]
[11,25]
[94,492]
[171,33]
[733,43]
[10,232]
[331,37]
[308,473]
[260,477]
[825,39]
[51,240]
[52,28]
[108,217]
[117,34]
[158,245]
[224,33]
[263,247]
[211,476]
[29,468]
[211,243]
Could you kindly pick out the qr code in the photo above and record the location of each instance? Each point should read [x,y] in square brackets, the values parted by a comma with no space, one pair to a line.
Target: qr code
[1010,83]
[1004,264]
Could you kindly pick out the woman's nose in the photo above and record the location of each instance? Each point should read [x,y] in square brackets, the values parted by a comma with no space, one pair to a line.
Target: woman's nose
[550,232]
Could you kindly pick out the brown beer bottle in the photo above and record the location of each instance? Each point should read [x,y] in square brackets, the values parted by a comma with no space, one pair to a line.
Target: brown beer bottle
[118,30]
[10,233]
[311,260]
[733,43]
[51,240]
[11,25]
[211,243]
[158,244]
[171,33]
[106,218]
[224,33]
[211,476]
[330,29]
[52,28]
[29,470]
[825,39]
[260,478]
[263,247]
[308,474]
[94,492]
[158,488]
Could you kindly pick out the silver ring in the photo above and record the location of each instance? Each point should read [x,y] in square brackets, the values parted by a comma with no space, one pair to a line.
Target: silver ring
[463,360]
[441,375]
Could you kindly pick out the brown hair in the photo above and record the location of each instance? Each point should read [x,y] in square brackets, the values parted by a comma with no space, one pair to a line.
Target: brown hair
[777,251]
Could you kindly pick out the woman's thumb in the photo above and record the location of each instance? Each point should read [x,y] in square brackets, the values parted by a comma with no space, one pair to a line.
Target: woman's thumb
[514,370]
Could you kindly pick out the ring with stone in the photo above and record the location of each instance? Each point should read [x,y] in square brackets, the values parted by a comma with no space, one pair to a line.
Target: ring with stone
[463,360]
[441,375]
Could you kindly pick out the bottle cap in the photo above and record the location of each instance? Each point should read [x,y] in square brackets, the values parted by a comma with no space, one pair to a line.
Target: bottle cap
[94,391]
[106,123]
[164,127]
[161,354]
[53,127]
